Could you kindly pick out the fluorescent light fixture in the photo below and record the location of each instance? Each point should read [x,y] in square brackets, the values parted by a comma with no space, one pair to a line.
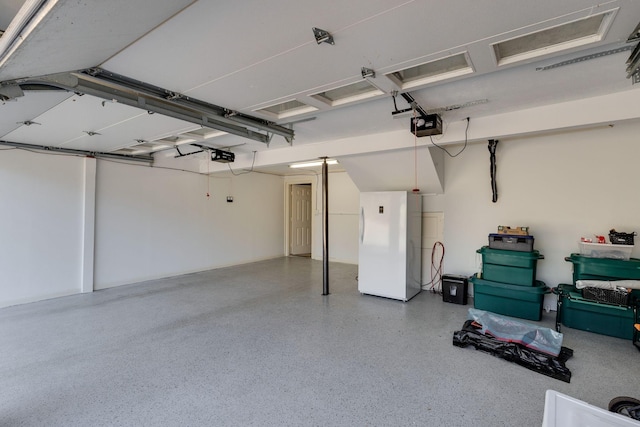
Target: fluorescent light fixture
[313,163]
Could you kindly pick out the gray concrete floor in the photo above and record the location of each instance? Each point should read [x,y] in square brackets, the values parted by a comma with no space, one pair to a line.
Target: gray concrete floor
[257,344]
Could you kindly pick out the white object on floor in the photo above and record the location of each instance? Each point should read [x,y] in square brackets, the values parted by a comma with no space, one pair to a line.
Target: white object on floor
[564,411]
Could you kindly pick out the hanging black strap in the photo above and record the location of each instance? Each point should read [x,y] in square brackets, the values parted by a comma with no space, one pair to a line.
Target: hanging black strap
[493,144]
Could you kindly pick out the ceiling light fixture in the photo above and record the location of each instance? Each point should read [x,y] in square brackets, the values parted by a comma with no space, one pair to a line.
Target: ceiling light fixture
[313,163]
[322,36]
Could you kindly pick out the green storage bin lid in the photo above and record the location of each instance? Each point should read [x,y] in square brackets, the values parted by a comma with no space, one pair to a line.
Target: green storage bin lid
[585,268]
[510,291]
[486,250]
[509,258]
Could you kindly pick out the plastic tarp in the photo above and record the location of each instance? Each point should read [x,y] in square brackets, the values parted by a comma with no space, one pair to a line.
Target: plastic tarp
[510,330]
[537,361]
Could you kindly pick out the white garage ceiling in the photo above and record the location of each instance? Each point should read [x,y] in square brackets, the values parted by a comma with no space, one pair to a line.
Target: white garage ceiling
[253,55]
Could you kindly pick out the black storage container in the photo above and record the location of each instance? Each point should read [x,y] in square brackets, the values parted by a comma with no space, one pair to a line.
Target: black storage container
[455,289]
[511,242]
[621,238]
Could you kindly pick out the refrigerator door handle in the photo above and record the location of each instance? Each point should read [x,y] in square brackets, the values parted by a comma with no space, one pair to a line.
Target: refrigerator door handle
[361,224]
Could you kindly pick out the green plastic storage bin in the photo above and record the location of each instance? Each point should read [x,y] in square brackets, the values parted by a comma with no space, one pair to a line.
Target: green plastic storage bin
[509,300]
[587,268]
[509,258]
[579,313]
[510,267]
[509,275]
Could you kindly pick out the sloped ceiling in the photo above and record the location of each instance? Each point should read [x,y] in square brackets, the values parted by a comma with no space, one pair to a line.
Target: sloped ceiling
[392,170]
[253,54]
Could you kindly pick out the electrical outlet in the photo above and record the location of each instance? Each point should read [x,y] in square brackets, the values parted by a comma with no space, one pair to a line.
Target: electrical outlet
[229,199]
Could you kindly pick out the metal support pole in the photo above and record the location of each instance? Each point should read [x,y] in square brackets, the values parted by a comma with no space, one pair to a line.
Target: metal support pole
[325,227]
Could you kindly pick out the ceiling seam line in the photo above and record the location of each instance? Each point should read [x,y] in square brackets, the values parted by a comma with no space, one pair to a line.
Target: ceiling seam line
[247,67]
[294,48]
[463,45]
[147,33]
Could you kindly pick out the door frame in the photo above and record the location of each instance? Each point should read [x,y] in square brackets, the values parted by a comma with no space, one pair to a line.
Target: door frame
[288,182]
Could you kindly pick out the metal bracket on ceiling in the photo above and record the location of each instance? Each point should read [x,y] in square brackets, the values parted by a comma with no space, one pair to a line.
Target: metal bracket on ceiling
[181,154]
[10,91]
[414,104]
[322,36]
[28,123]
[584,58]
[289,140]
[367,72]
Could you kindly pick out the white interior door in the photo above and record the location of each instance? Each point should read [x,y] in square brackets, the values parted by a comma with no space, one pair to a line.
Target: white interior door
[300,219]
[432,232]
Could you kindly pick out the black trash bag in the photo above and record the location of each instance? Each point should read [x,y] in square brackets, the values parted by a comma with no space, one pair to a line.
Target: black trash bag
[543,363]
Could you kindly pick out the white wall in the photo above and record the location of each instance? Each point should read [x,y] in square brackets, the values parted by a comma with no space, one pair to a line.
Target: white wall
[153,222]
[344,205]
[149,223]
[563,186]
[40,226]
[344,208]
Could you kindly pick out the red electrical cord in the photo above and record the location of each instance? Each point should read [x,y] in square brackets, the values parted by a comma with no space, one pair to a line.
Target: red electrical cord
[436,269]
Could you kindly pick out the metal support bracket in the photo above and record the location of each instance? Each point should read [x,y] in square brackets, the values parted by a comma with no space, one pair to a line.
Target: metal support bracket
[181,154]
[114,87]
[322,36]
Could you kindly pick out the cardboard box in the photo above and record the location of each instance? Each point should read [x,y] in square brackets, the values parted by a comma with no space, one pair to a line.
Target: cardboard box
[519,231]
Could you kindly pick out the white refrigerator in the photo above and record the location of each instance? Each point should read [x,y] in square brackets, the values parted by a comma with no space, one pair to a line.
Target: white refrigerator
[390,250]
